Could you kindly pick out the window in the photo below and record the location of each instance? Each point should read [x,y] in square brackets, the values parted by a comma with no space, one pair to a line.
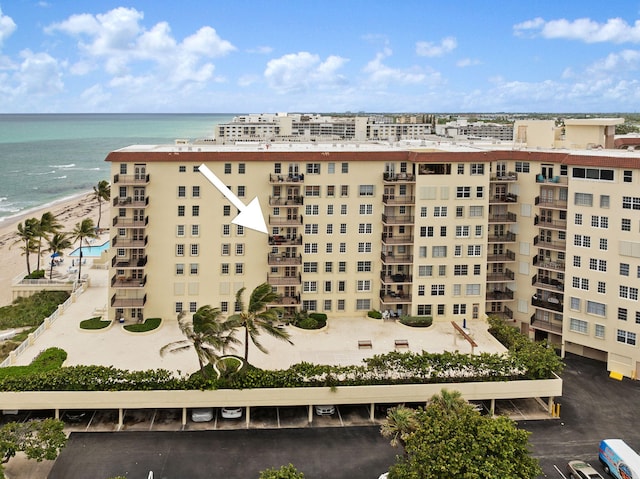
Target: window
[421,290]
[631,202]
[622,314]
[627,176]
[596,308]
[578,326]
[182,191]
[597,264]
[310,305]
[312,190]
[472,290]
[194,268]
[311,229]
[312,210]
[422,251]
[239,268]
[442,270]
[605,200]
[364,247]
[459,211]
[443,231]
[425,270]
[624,269]
[343,247]
[328,267]
[366,209]
[463,192]
[329,210]
[344,190]
[181,210]
[474,250]
[224,268]
[575,303]
[313,168]
[582,240]
[439,251]
[364,228]
[593,174]
[179,307]
[440,309]
[437,290]
[440,211]
[342,267]
[475,211]
[227,168]
[310,267]
[599,221]
[424,310]
[365,190]
[522,166]
[345,167]
[195,210]
[123,168]
[179,268]
[195,249]
[363,304]
[182,169]
[577,260]
[478,231]
[599,331]
[241,168]
[179,250]
[329,248]
[226,249]
[479,191]
[343,209]
[461,168]
[239,249]
[476,270]
[363,285]
[626,224]
[628,292]
[195,230]
[578,219]
[226,230]
[226,210]
[310,286]
[342,286]
[460,270]
[604,244]
[179,230]
[459,309]
[241,191]
[626,337]
[477,168]
[310,248]
[462,231]
[583,199]
[364,266]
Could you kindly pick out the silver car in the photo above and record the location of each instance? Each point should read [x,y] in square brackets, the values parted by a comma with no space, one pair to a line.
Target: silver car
[582,470]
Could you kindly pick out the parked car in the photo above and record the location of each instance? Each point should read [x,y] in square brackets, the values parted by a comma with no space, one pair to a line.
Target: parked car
[202,414]
[231,412]
[582,470]
[325,410]
[74,416]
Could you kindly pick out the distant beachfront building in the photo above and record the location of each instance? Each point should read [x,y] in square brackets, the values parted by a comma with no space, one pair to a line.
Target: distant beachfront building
[543,232]
[310,127]
[462,129]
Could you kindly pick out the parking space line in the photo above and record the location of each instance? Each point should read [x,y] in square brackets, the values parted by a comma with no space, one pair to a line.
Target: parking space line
[91,419]
[278,416]
[339,416]
[559,472]
[153,418]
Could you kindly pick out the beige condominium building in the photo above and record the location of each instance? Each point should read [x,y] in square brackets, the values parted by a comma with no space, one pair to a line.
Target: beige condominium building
[544,233]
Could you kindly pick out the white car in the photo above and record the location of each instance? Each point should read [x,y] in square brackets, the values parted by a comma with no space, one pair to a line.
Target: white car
[202,414]
[582,470]
[231,412]
[325,410]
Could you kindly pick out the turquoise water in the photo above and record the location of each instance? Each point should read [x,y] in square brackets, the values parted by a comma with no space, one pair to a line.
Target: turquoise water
[44,158]
[91,250]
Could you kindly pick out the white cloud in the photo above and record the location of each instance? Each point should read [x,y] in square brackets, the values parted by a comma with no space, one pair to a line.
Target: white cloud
[615,30]
[621,62]
[39,74]
[381,74]
[7,27]
[296,72]
[430,49]
[467,62]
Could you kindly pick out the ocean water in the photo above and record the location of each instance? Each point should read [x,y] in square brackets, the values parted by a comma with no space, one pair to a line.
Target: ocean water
[49,157]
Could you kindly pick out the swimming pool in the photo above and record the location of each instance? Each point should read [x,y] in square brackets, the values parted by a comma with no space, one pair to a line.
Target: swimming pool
[90,250]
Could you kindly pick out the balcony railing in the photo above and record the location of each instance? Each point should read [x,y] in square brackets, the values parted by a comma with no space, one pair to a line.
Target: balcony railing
[508,237]
[503,218]
[396,239]
[550,203]
[508,176]
[122,263]
[505,313]
[547,283]
[284,280]
[286,301]
[554,180]
[125,302]
[278,240]
[130,202]
[505,276]
[398,200]
[122,222]
[397,220]
[549,244]
[283,260]
[505,257]
[398,177]
[506,198]
[390,258]
[499,295]
[397,278]
[289,201]
[544,325]
[548,264]
[552,303]
[284,179]
[131,179]
[285,220]
[394,298]
[550,224]
[128,282]
[129,243]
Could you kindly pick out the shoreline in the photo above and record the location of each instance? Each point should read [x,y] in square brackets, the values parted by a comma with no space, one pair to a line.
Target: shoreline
[68,211]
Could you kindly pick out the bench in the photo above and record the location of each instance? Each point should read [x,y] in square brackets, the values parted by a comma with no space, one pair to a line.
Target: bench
[401,343]
[365,344]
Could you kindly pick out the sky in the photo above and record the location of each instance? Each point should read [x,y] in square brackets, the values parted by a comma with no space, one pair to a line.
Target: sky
[267,56]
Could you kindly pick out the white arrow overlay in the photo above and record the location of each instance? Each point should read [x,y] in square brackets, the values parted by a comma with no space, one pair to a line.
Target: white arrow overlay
[250,215]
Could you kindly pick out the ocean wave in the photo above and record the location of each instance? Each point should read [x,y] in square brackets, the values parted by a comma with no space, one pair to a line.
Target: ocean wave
[70,165]
[3,198]
[41,173]
[60,177]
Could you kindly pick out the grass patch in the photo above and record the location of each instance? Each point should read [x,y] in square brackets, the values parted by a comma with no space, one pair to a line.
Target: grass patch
[32,310]
[94,323]
[48,360]
[148,325]
[417,321]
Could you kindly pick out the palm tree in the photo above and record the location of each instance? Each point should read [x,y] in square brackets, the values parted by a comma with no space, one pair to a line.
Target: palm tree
[257,317]
[400,421]
[205,333]
[102,191]
[27,233]
[57,244]
[449,401]
[47,225]
[83,230]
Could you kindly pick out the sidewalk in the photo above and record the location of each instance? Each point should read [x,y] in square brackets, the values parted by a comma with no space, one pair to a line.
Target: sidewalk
[336,344]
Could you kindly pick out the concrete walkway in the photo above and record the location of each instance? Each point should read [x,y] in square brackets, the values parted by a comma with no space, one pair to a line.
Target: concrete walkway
[336,344]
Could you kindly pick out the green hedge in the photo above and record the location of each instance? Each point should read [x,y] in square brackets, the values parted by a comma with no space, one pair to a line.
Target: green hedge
[417,321]
[48,360]
[94,323]
[148,325]
[374,314]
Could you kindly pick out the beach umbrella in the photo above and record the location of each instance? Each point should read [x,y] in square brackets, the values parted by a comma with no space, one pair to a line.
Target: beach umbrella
[55,255]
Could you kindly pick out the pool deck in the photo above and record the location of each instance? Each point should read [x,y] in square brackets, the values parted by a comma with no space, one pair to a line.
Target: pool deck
[90,251]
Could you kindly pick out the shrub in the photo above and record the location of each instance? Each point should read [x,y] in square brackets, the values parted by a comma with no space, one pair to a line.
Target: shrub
[148,325]
[308,323]
[37,274]
[94,323]
[31,310]
[285,472]
[374,314]
[417,321]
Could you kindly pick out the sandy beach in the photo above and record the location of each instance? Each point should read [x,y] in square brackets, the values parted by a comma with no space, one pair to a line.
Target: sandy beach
[67,212]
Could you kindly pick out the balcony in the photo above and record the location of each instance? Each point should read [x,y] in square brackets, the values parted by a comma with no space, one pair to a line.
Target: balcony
[551,284]
[396,278]
[502,218]
[397,220]
[550,203]
[507,237]
[394,298]
[505,314]
[290,201]
[501,277]
[390,258]
[286,301]
[502,177]
[122,222]
[128,282]
[499,295]
[278,240]
[130,179]
[285,220]
[398,178]
[124,302]
[548,264]
[286,179]
[554,180]
[123,263]
[552,303]
[501,199]
[394,200]
[388,238]
[121,242]
[550,224]
[506,257]
[282,260]
[284,280]
[544,325]
[549,244]
[129,202]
